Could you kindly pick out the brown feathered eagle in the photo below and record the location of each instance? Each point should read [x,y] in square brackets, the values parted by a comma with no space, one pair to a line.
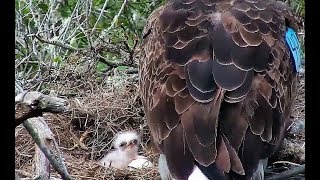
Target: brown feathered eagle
[218,82]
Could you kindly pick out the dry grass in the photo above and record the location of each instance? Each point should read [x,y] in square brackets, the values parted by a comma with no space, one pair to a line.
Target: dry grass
[99,111]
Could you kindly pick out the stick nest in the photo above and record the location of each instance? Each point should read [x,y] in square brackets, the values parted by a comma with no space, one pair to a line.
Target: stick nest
[101,107]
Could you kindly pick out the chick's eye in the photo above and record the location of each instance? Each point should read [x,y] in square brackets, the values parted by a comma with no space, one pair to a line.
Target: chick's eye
[122,144]
[135,141]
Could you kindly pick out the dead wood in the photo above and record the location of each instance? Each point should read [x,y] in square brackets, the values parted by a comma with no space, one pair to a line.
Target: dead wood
[42,164]
[22,173]
[17,177]
[33,104]
[74,137]
[288,173]
[44,138]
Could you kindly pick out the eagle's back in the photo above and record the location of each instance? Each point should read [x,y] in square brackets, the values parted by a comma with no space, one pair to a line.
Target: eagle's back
[217,82]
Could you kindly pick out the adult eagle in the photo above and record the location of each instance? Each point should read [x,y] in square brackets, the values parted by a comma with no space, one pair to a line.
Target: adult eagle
[218,82]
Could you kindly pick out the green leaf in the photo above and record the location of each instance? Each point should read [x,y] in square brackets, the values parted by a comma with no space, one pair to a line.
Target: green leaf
[101,67]
[79,41]
[25,11]
[43,7]
[64,11]
[57,59]
[122,68]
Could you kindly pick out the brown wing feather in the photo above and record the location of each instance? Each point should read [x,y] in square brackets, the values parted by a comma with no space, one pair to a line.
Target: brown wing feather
[217,75]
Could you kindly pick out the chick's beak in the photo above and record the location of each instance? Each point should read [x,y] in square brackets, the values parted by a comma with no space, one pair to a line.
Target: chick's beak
[130,145]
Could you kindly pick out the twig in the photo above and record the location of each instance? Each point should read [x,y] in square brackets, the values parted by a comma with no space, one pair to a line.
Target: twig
[23,60]
[33,104]
[109,47]
[115,19]
[44,138]
[100,15]
[288,173]
[118,50]
[84,177]
[286,162]
[132,71]
[16,177]
[42,165]
[74,137]
[19,88]
[69,21]
[23,173]
[110,63]
[85,135]
[68,47]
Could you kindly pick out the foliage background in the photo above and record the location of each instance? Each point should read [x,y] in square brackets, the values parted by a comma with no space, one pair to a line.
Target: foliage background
[100,34]
[52,33]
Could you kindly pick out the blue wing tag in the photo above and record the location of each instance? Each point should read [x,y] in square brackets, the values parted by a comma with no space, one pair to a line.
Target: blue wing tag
[294,45]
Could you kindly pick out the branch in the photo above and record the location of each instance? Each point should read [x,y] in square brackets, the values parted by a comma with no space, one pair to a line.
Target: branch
[18,87]
[115,19]
[111,63]
[65,46]
[132,71]
[17,177]
[44,138]
[114,49]
[100,15]
[33,104]
[42,165]
[74,137]
[23,173]
[109,47]
[288,173]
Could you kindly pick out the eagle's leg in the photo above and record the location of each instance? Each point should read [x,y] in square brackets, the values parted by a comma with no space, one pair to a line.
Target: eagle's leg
[163,168]
[259,173]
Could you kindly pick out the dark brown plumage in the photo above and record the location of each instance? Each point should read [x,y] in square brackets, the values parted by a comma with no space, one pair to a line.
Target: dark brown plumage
[217,82]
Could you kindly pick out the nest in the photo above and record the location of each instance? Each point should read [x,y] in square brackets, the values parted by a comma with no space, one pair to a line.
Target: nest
[101,107]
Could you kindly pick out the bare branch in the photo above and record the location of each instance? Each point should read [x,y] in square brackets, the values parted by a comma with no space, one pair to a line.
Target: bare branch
[110,63]
[23,173]
[74,137]
[128,61]
[44,138]
[33,104]
[18,87]
[17,177]
[100,15]
[115,19]
[42,165]
[68,47]
[288,173]
[132,71]
[69,21]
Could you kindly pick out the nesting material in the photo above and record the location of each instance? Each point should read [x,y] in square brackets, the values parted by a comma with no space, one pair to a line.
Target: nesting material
[99,111]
